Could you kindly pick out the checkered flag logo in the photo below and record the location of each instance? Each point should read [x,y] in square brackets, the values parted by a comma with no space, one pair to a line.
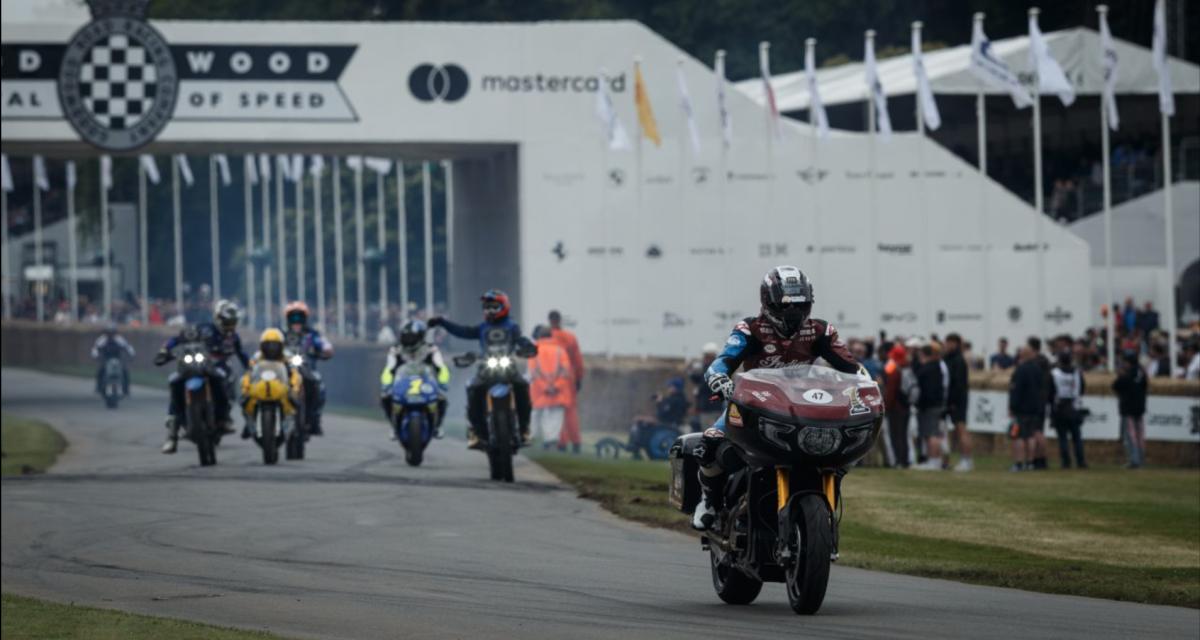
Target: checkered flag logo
[117,83]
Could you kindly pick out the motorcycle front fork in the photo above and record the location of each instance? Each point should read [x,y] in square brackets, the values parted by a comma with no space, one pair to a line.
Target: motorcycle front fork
[783,493]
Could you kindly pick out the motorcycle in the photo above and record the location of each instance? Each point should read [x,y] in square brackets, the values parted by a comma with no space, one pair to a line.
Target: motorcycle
[798,429]
[113,385]
[269,385]
[497,370]
[196,369]
[414,409]
[297,437]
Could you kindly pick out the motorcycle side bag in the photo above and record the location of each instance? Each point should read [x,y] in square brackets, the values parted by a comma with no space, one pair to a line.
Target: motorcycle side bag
[685,485]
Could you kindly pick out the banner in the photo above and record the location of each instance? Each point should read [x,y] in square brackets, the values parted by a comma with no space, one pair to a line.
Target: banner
[614,131]
[993,71]
[106,178]
[645,113]
[876,88]
[185,170]
[725,120]
[764,69]
[1168,418]
[816,108]
[685,104]
[71,178]
[1051,78]
[1108,62]
[264,167]
[316,164]
[929,109]
[250,170]
[6,180]
[39,173]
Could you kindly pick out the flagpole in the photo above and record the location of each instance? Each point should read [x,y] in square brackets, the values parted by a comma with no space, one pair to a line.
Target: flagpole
[37,241]
[281,233]
[428,239]
[764,52]
[338,249]
[214,226]
[1169,226]
[924,199]
[143,266]
[301,280]
[448,181]
[638,180]
[248,247]
[6,275]
[72,250]
[319,244]
[985,247]
[381,213]
[726,141]
[264,179]
[360,248]
[604,182]
[871,153]
[1038,196]
[686,228]
[1110,323]
[402,236]
[177,235]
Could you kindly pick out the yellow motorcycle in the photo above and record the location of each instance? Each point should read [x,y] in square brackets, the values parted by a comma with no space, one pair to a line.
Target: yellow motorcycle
[268,389]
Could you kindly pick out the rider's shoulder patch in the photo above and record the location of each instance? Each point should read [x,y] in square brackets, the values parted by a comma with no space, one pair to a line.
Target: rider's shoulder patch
[742,327]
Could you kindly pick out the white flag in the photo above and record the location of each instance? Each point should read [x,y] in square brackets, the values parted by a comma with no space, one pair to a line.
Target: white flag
[223,168]
[876,88]
[382,166]
[1051,78]
[1166,97]
[297,166]
[185,169]
[1108,62]
[106,181]
[726,119]
[685,103]
[991,70]
[71,177]
[284,166]
[6,181]
[764,69]
[614,131]
[40,178]
[929,109]
[816,108]
[250,169]
[149,167]
[355,163]
[264,167]
[316,164]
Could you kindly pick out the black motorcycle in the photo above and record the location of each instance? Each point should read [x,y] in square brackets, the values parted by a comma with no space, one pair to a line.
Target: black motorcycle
[197,369]
[498,367]
[794,432]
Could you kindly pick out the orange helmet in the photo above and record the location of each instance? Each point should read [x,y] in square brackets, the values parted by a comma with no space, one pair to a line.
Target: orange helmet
[296,312]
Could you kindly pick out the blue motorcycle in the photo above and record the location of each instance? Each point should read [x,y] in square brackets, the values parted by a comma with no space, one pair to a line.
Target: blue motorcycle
[415,395]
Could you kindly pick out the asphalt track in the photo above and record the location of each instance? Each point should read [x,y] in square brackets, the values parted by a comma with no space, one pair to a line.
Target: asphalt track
[352,543]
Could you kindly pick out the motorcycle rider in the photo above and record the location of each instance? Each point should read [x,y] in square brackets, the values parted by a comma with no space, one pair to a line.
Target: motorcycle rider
[411,346]
[305,340]
[221,338]
[111,344]
[496,310]
[783,334]
[270,347]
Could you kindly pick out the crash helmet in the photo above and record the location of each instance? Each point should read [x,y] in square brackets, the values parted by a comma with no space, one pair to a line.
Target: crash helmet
[225,315]
[412,336]
[270,344]
[786,296]
[495,305]
[296,312]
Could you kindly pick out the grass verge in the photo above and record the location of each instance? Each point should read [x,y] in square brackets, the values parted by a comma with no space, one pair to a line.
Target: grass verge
[31,619]
[1105,532]
[29,446]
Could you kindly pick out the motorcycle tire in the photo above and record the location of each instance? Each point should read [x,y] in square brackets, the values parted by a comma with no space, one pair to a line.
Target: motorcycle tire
[732,585]
[200,432]
[270,448]
[500,453]
[111,398]
[413,454]
[808,575]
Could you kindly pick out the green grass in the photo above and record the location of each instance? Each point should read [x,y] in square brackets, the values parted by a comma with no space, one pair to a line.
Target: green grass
[30,619]
[29,446]
[1105,532]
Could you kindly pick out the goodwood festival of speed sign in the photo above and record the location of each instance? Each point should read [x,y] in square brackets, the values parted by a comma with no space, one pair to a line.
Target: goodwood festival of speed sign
[117,84]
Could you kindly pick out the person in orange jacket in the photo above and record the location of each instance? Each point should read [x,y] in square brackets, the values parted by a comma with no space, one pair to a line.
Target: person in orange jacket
[551,388]
[570,430]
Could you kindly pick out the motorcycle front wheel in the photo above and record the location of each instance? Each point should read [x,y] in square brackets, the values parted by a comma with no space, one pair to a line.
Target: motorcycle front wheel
[200,432]
[500,453]
[731,584]
[413,453]
[808,574]
[270,450]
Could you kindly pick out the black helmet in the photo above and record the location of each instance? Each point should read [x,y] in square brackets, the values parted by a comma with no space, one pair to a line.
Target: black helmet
[787,298]
[412,334]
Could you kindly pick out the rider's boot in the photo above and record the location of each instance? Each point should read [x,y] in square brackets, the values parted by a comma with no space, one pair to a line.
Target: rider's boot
[705,515]
[473,441]
[172,442]
[441,415]
[525,436]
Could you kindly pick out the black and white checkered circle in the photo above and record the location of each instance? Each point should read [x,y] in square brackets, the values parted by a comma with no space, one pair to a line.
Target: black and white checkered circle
[118,83]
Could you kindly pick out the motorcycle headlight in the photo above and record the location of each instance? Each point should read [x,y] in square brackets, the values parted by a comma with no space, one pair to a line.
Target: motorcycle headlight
[297,361]
[820,441]
[504,362]
[857,435]
[493,362]
[776,433]
[187,359]
[199,357]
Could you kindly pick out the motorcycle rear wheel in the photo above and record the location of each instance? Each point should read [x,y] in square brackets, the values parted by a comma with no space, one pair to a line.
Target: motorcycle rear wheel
[270,450]
[731,584]
[807,576]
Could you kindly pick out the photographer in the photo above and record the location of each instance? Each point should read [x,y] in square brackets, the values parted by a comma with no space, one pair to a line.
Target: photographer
[1066,409]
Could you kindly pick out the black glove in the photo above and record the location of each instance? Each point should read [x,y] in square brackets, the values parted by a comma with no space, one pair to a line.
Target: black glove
[435,321]
[721,385]
[161,358]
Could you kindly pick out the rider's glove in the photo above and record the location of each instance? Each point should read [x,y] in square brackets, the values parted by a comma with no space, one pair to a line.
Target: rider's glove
[721,385]
[161,358]
[434,321]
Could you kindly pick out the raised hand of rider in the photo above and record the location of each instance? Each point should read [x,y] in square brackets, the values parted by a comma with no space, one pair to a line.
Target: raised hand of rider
[435,321]
[721,385]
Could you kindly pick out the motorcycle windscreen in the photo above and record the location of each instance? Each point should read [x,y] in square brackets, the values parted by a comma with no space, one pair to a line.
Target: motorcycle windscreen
[810,392]
[194,384]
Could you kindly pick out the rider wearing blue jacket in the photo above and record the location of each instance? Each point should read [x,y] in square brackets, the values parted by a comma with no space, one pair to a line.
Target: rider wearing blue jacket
[496,309]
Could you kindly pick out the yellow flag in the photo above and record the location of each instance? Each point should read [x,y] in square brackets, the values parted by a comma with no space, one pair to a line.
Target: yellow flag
[645,114]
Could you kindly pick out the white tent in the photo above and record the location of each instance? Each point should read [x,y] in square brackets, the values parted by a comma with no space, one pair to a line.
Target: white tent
[1077,50]
[1137,226]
